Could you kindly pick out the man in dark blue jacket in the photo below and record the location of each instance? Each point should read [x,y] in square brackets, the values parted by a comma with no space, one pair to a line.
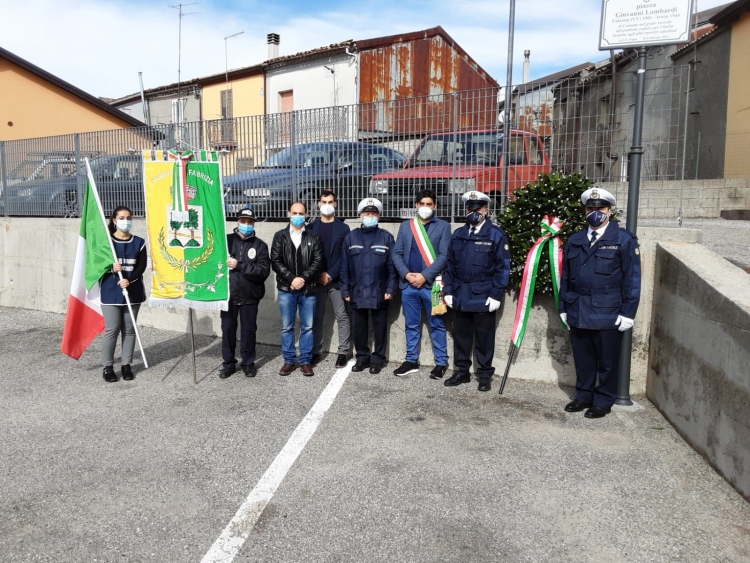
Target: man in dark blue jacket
[475,280]
[368,282]
[249,267]
[332,233]
[599,293]
[420,256]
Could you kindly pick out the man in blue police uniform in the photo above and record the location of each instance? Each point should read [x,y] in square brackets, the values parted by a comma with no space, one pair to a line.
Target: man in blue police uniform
[475,280]
[368,282]
[599,294]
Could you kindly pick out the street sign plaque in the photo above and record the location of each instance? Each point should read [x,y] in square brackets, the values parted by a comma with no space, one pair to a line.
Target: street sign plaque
[637,23]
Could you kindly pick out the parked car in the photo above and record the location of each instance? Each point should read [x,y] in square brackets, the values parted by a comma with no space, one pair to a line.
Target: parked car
[346,167]
[52,187]
[452,164]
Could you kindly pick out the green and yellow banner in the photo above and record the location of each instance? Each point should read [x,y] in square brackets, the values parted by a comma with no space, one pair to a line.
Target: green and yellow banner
[185,223]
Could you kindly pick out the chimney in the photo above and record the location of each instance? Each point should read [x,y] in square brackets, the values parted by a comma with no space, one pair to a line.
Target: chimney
[273,46]
[526,63]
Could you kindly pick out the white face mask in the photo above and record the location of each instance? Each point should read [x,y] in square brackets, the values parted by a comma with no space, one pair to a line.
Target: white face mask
[124,225]
[327,209]
[425,212]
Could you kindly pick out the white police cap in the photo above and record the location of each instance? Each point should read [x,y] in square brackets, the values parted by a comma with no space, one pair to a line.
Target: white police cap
[369,204]
[475,197]
[597,197]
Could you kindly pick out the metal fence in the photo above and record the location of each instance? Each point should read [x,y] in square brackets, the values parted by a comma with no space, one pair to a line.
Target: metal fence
[449,143]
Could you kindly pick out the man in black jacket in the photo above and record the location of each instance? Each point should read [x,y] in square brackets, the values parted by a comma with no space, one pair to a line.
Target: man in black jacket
[332,233]
[298,259]
[249,266]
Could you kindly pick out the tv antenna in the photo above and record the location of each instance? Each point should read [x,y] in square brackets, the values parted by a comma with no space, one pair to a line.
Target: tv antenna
[179,53]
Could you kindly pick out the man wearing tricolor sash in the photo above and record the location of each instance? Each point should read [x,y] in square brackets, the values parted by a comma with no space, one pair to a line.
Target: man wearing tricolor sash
[420,256]
[475,279]
[599,293]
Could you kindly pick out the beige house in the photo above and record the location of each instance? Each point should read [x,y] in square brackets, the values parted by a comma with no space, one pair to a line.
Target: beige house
[35,103]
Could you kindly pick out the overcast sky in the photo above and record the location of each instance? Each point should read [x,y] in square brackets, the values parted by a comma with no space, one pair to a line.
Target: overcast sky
[100,46]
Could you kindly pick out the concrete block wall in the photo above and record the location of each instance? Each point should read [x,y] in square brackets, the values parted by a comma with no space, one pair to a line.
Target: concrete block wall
[699,359]
[700,198]
[36,262]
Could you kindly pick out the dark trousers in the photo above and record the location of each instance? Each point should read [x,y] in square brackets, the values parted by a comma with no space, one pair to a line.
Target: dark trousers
[477,329]
[360,330]
[596,353]
[248,315]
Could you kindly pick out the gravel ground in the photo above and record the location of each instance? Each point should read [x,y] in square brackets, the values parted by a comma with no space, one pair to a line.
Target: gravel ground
[399,469]
[730,239]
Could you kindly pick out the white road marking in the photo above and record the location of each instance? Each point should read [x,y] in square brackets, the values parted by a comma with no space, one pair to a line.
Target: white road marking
[231,540]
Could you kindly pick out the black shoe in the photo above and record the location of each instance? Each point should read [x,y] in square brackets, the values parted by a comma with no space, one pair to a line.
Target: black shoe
[576,406]
[226,372]
[457,379]
[341,361]
[596,412]
[375,368]
[250,371]
[438,372]
[360,366]
[485,384]
[127,373]
[406,368]
[109,375]
[315,360]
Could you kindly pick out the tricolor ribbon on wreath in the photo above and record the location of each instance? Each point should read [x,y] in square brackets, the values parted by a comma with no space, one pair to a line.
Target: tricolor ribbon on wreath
[428,255]
[550,227]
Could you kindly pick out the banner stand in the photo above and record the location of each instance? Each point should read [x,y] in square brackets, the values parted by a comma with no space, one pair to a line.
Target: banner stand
[192,344]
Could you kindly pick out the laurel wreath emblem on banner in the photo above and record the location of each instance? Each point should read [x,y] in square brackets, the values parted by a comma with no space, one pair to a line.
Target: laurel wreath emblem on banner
[186,265]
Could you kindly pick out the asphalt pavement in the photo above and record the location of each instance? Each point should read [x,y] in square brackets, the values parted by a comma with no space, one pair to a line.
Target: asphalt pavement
[399,469]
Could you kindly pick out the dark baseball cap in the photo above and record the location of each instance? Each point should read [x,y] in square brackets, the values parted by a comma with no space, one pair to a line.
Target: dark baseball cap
[246,213]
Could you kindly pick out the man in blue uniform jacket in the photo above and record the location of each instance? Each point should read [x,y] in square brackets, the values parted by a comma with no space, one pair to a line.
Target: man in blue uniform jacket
[599,294]
[368,283]
[474,283]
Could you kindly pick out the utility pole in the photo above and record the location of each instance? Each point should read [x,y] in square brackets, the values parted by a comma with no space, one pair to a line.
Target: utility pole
[226,56]
[180,115]
[508,100]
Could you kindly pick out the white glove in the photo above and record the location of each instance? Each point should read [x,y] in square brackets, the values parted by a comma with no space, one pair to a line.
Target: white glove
[564,318]
[448,300]
[494,305]
[623,323]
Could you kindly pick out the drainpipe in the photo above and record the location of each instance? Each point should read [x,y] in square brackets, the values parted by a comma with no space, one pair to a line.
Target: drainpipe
[146,113]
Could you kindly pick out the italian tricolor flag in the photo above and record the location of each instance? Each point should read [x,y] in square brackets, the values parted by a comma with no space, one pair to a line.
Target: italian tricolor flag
[94,258]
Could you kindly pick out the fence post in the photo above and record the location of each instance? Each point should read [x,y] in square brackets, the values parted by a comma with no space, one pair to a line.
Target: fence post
[3,178]
[456,118]
[293,156]
[80,173]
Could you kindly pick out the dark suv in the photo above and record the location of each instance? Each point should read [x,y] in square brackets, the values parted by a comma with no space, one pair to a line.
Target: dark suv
[49,186]
[346,167]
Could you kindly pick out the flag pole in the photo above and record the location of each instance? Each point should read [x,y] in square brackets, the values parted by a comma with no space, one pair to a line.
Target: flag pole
[114,257]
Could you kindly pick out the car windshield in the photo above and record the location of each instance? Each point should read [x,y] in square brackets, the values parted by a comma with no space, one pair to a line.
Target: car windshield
[467,148]
[24,170]
[306,156]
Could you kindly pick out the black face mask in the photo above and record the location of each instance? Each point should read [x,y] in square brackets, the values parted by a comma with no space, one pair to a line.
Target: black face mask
[474,217]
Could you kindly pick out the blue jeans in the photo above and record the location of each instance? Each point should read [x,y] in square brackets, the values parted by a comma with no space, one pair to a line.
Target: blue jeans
[413,301]
[290,303]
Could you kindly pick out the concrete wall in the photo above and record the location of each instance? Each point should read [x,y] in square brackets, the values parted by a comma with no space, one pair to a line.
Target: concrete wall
[699,362]
[36,261]
[700,198]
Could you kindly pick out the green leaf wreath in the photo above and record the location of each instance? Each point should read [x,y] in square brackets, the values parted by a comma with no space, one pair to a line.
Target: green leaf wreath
[552,194]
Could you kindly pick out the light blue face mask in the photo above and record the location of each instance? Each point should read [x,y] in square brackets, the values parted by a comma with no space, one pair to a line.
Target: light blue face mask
[245,230]
[297,220]
[369,221]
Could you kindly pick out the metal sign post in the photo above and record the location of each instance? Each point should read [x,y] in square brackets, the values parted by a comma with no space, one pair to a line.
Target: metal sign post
[627,24]
[505,192]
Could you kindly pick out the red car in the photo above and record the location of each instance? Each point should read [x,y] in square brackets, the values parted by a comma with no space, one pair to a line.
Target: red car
[454,163]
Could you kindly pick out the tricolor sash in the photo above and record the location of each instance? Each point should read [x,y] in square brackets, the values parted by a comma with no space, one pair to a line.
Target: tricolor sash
[428,255]
[550,228]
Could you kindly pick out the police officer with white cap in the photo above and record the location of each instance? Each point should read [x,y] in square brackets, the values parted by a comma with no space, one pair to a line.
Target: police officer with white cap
[368,282]
[474,283]
[599,294]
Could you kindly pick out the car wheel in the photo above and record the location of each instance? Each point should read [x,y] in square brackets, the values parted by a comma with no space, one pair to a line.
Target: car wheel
[310,199]
[65,205]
